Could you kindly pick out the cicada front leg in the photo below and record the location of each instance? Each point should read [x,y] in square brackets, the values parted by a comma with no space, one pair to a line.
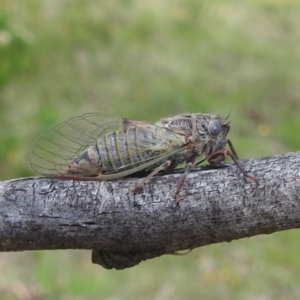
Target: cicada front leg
[221,155]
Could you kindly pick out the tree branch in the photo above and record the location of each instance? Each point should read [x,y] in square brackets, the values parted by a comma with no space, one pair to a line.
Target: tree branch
[124,229]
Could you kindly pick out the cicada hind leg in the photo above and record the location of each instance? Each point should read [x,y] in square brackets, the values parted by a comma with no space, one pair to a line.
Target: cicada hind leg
[163,166]
[166,166]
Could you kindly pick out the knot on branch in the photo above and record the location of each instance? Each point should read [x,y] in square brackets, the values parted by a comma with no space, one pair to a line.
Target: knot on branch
[121,260]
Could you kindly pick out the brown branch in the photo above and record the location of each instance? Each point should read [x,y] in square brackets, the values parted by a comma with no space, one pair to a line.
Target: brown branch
[124,229]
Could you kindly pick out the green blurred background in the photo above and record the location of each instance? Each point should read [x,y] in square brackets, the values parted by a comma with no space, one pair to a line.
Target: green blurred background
[146,60]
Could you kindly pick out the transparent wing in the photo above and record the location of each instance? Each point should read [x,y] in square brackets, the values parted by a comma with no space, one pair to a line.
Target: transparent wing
[53,150]
[60,152]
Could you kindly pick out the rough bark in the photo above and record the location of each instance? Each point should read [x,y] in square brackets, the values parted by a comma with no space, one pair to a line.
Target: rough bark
[123,229]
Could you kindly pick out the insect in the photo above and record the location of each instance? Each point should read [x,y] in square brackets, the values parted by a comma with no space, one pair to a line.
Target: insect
[101,146]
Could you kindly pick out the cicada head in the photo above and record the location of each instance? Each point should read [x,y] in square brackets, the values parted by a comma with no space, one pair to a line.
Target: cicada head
[212,131]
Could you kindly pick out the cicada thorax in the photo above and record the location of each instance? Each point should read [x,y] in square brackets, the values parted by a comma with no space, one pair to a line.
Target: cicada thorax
[181,124]
[124,150]
[193,127]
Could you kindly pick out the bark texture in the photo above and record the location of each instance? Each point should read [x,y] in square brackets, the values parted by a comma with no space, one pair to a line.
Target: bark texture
[124,229]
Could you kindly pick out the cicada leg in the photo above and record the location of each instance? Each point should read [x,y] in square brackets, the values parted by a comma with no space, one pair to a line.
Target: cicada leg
[163,166]
[188,168]
[221,154]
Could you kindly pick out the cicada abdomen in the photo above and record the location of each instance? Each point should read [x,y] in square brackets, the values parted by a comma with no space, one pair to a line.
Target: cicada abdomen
[102,146]
[53,151]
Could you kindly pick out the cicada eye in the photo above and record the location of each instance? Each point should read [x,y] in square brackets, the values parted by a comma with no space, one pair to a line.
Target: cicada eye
[214,127]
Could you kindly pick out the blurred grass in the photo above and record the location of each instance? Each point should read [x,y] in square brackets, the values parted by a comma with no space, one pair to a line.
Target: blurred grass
[147,60]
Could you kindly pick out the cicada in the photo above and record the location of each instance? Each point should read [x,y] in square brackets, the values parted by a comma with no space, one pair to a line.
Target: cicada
[100,146]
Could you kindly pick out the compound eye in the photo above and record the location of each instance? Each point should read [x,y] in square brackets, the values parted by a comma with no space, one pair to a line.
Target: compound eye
[214,127]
